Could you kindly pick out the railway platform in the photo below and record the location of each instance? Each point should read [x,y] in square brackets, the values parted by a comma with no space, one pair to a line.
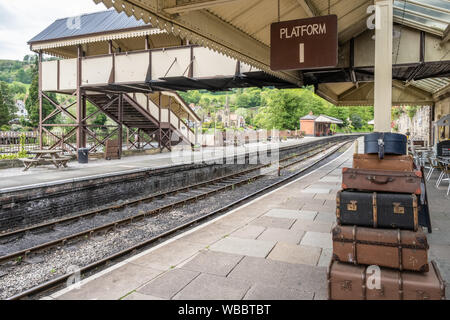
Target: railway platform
[276,247]
[15,179]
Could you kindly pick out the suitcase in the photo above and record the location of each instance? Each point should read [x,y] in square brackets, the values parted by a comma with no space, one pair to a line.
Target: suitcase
[378,180]
[390,162]
[350,282]
[383,143]
[398,249]
[377,210]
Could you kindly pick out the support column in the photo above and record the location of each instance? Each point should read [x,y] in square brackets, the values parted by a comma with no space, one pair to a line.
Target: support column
[120,131]
[41,142]
[170,123]
[81,104]
[159,123]
[383,65]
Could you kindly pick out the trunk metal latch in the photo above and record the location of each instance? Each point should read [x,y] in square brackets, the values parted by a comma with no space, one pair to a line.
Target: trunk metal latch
[398,209]
[352,206]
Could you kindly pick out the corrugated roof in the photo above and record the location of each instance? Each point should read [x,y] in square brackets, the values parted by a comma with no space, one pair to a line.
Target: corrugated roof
[432,85]
[432,16]
[327,119]
[92,23]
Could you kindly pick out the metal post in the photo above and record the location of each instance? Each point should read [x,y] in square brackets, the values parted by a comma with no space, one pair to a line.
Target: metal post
[159,123]
[170,129]
[383,65]
[41,142]
[128,139]
[110,47]
[120,132]
[81,106]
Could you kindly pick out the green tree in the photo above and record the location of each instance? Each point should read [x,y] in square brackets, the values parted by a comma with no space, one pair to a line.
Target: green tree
[357,122]
[32,103]
[8,99]
[4,112]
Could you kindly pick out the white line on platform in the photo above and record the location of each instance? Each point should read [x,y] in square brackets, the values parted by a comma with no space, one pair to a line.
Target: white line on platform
[203,225]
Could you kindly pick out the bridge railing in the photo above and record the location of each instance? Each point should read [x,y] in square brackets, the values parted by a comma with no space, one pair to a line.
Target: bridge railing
[139,67]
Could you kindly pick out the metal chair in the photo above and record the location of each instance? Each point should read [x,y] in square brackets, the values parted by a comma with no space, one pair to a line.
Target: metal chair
[433,165]
[445,171]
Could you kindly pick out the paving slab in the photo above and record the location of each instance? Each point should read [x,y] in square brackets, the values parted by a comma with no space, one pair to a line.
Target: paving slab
[282,235]
[292,214]
[170,255]
[248,232]
[314,206]
[246,247]
[218,288]
[113,285]
[331,178]
[317,239]
[209,234]
[299,254]
[326,216]
[271,272]
[325,257]
[235,221]
[316,190]
[273,222]
[325,196]
[139,296]
[315,225]
[168,284]
[261,291]
[213,262]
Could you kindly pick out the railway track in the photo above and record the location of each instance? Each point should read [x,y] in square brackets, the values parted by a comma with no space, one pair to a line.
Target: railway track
[188,194]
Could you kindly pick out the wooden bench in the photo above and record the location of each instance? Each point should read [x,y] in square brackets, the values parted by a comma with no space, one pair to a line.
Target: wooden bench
[27,162]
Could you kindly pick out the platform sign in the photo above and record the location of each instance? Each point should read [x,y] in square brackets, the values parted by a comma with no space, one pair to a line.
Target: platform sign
[304,44]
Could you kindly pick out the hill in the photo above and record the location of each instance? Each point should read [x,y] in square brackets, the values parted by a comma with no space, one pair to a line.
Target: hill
[16,71]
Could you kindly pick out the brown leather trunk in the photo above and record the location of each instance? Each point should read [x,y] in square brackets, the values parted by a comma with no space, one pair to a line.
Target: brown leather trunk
[381,180]
[350,282]
[398,249]
[390,162]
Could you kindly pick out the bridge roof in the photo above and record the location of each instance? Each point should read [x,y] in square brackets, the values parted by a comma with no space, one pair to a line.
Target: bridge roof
[88,24]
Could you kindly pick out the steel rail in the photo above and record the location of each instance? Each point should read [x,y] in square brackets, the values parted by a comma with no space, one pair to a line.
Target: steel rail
[144,199]
[58,280]
[22,254]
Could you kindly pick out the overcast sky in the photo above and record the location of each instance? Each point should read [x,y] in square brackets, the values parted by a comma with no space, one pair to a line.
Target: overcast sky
[21,20]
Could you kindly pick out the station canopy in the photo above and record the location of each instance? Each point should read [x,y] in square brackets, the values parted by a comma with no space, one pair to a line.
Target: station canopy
[241,30]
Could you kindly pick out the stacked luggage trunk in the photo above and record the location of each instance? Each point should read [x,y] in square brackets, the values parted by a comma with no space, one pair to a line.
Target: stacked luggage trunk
[380,251]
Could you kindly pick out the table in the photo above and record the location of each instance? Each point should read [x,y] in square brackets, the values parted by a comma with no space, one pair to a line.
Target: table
[46,156]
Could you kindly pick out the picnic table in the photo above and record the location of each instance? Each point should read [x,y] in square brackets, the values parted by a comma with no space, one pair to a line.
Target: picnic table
[46,157]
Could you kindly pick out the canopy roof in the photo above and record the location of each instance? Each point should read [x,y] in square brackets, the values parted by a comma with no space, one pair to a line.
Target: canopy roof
[444,121]
[327,119]
[322,119]
[229,25]
[88,24]
[432,16]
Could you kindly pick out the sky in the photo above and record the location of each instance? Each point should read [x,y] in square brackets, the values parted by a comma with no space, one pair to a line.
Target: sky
[21,20]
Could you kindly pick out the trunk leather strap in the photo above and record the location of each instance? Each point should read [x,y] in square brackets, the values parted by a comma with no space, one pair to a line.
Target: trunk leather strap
[375,213]
[364,287]
[415,212]
[355,257]
[381,146]
[400,286]
[400,250]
